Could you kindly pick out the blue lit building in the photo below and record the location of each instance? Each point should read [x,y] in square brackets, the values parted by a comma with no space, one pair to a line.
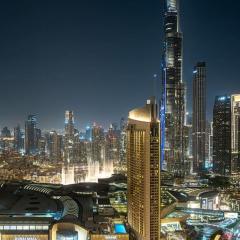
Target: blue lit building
[88,135]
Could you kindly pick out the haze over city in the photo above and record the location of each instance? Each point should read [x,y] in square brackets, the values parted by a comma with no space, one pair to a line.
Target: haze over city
[98,58]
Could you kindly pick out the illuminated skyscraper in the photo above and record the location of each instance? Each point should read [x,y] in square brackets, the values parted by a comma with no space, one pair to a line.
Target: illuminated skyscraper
[69,124]
[173,95]
[188,148]
[98,144]
[18,139]
[88,135]
[55,146]
[85,150]
[112,145]
[42,143]
[38,139]
[235,132]
[211,145]
[226,135]
[31,135]
[222,135]
[199,117]
[69,137]
[208,147]
[143,173]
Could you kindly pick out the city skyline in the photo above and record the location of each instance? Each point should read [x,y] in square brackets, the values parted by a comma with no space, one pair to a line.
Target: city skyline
[35,34]
[81,158]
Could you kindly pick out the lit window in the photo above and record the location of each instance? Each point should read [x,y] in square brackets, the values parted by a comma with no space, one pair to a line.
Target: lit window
[32,227]
[13,227]
[19,227]
[38,227]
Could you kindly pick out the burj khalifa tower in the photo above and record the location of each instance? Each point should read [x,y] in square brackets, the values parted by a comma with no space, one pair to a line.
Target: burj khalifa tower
[173,92]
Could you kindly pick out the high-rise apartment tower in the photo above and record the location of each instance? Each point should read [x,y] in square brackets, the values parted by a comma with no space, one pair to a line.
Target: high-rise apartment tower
[143,172]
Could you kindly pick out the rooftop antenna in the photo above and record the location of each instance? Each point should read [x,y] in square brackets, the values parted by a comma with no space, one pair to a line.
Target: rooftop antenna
[179,17]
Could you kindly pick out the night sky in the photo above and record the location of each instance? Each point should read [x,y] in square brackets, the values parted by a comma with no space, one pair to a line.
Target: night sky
[98,58]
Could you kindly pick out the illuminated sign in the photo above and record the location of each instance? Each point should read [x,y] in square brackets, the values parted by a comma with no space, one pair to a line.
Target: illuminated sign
[26,238]
[110,237]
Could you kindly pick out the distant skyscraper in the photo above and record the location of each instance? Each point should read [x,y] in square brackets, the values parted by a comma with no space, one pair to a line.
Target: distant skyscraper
[199,117]
[55,146]
[85,150]
[235,133]
[30,135]
[69,137]
[208,142]
[18,139]
[209,145]
[112,145]
[42,144]
[226,135]
[222,135]
[88,135]
[38,138]
[143,174]
[98,144]
[69,123]
[173,95]
[5,132]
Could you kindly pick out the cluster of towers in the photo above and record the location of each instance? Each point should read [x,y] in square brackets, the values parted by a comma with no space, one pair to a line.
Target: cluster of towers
[170,139]
[95,147]
[191,144]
